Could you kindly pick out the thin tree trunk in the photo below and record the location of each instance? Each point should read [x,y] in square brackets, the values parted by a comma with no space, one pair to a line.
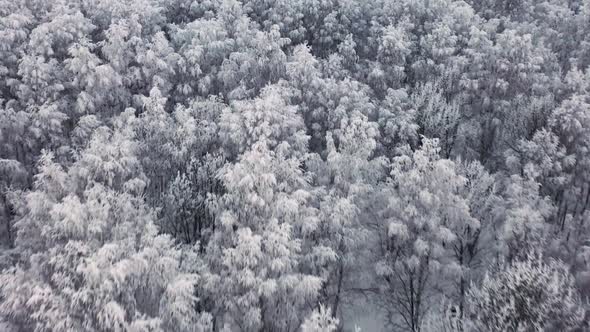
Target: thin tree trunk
[338,290]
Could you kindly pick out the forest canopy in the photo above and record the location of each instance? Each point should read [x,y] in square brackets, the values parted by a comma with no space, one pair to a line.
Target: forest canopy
[294,165]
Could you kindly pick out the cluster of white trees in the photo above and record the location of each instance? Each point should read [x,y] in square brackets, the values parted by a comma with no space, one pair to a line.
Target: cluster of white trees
[274,165]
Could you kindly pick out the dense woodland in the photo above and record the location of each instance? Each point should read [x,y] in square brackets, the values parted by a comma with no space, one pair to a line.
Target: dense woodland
[294,165]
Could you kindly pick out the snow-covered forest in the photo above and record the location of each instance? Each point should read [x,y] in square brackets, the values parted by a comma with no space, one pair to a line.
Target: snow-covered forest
[294,165]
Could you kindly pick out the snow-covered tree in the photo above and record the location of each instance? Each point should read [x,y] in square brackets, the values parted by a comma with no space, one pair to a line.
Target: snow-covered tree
[531,294]
[255,253]
[320,320]
[525,216]
[269,118]
[423,219]
[348,177]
